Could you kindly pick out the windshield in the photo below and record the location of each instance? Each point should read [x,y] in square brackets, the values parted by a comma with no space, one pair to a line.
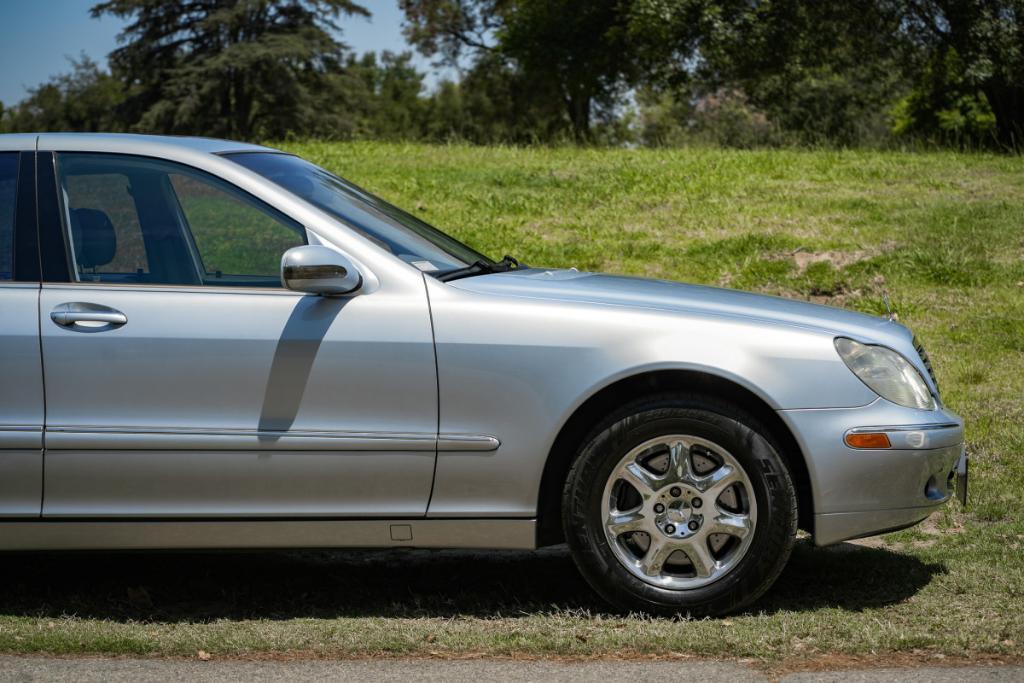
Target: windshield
[404,235]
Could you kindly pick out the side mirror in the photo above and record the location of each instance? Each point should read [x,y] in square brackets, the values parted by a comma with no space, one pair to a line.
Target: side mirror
[318,270]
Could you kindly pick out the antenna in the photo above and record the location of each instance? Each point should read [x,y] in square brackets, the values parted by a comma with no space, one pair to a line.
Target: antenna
[891,314]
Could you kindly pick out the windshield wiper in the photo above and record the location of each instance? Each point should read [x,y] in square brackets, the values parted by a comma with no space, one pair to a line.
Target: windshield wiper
[480,268]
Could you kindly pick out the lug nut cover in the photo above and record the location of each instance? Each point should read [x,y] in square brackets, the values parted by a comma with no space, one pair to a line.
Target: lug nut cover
[675,491]
[696,502]
[659,508]
[694,526]
[670,529]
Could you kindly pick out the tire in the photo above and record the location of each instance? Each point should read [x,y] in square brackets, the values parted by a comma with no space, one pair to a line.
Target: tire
[747,529]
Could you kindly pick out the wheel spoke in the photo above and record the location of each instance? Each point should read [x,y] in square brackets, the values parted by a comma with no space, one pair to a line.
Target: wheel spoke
[714,484]
[643,481]
[679,467]
[653,562]
[704,565]
[730,523]
[623,522]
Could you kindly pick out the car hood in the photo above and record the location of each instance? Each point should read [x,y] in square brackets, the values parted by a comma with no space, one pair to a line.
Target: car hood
[678,297]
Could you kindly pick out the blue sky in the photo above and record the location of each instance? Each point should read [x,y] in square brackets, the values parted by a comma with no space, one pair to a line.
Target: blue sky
[39,35]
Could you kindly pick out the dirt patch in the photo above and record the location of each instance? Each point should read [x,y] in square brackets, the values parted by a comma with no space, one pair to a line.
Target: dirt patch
[837,258]
[871,542]
[929,527]
[839,296]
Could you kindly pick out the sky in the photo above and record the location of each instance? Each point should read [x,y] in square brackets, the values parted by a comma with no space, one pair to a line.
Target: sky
[38,36]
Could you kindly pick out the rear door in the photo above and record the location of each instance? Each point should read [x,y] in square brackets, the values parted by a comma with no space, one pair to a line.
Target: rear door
[21,390]
[183,381]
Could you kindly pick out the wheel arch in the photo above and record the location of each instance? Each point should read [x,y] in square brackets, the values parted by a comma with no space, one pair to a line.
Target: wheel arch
[610,397]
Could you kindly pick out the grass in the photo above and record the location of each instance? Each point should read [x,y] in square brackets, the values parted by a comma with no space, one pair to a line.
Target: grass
[941,233]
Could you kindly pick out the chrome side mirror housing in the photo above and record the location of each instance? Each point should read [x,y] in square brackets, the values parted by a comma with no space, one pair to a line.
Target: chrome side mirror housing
[316,269]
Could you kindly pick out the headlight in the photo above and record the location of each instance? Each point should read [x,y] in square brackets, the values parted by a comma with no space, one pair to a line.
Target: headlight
[887,373]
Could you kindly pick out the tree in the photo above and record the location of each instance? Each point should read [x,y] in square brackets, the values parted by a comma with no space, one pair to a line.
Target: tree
[234,68]
[944,107]
[839,72]
[85,99]
[393,86]
[578,53]
[984,40]
[823,72]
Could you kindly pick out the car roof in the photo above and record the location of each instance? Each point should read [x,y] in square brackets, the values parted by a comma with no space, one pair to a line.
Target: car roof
[121,141]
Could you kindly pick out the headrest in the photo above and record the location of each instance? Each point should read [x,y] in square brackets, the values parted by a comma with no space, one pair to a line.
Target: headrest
[94,237]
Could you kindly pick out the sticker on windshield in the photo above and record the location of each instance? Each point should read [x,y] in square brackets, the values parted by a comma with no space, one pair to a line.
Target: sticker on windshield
[425,266]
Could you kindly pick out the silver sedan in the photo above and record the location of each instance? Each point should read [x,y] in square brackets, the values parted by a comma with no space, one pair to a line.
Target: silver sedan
[209,344]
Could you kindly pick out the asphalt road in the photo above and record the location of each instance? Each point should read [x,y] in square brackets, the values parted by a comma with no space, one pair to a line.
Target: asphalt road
[89,669]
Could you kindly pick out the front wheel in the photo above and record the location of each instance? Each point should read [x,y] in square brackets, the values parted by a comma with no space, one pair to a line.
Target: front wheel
[680,505]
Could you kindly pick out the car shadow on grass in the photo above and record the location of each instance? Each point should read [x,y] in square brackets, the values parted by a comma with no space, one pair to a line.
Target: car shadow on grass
[191,587]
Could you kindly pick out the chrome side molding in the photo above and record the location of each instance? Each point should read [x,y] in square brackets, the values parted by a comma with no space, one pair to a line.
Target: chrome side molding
[467,442]
[21,437]
[71,437]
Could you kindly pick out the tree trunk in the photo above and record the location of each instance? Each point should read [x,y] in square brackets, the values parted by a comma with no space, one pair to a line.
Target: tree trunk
[225,110]
[1007,102]
[579,116]
[243,108]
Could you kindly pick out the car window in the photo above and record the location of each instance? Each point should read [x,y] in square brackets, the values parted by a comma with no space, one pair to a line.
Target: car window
[107,195]
[231,235]
[391,228]
[147,221]
[8,193]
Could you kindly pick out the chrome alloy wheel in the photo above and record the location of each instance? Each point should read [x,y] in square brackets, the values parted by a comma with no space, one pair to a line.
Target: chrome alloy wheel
[679,512]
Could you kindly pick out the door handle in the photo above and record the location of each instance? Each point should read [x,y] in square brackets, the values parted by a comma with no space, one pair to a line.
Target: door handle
[87,317]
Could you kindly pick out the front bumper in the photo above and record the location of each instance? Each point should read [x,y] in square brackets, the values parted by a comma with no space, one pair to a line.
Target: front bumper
[863,492]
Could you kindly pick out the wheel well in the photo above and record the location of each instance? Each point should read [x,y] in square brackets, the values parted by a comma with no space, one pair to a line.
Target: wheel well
[570,438]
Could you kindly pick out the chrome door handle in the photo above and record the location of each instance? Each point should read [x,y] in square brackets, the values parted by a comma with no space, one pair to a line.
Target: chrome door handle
[87,317]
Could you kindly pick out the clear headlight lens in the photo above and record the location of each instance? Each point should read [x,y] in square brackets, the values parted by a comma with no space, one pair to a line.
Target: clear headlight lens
[887,373]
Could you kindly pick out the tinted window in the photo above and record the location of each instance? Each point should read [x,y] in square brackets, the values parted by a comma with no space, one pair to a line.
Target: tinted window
[232,236]
[8,193]
[404,235]
[139,220]
[107,195]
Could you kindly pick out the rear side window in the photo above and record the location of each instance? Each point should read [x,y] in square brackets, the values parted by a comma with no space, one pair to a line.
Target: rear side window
[8,194]
[138,220]
[106,197]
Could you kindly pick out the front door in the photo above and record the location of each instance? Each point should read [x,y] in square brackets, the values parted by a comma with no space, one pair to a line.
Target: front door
[183,381]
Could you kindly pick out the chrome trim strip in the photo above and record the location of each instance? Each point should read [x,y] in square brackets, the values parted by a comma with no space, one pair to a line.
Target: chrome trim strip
[75,437]
[141,438]
[915,437]
[226,431]
[467,442]
[518,534]
[904,428]
[21,437]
